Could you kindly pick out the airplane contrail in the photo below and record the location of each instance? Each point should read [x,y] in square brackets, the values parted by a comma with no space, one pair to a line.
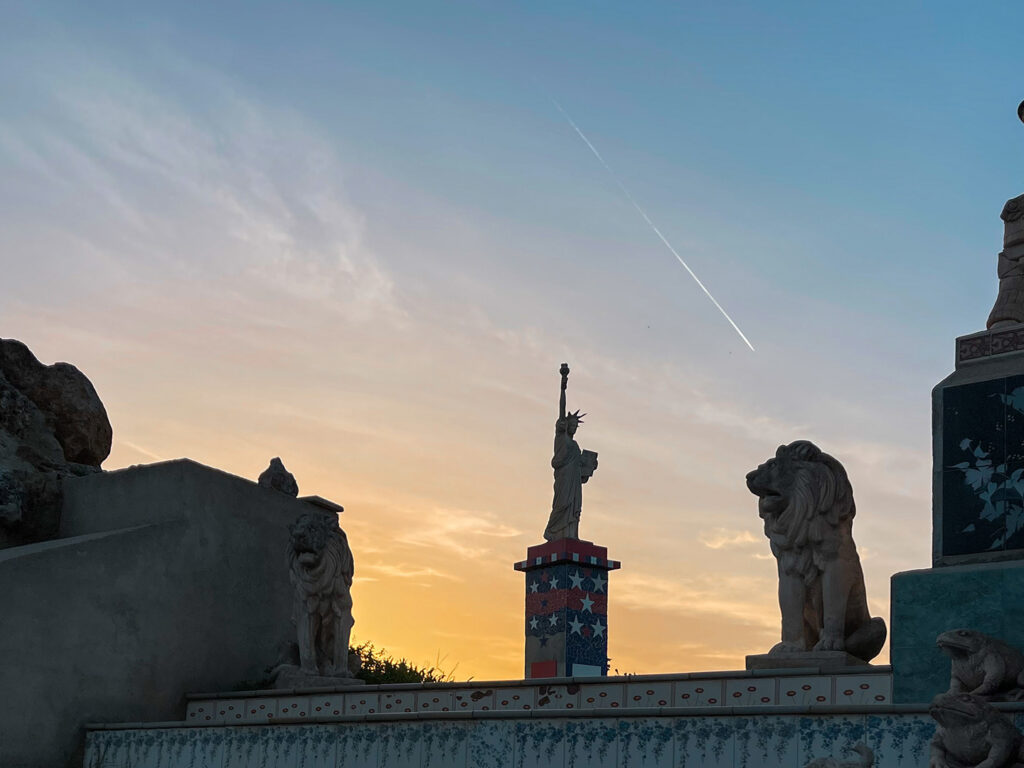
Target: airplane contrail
[651,223]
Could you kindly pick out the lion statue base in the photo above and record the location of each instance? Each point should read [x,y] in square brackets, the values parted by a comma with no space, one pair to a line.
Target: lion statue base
[806,502]
[321,569]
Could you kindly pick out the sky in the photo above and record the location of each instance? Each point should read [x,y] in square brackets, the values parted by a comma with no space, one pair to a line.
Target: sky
[361,237]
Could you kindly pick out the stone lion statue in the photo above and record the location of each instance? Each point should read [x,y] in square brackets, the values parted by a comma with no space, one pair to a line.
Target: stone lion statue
[321,569]
[806,502]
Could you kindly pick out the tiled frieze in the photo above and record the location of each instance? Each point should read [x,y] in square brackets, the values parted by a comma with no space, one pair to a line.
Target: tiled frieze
[738,690]
[896,739]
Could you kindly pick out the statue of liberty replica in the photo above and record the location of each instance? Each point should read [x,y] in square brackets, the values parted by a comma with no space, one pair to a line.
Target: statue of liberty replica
[573,468]
[566,620]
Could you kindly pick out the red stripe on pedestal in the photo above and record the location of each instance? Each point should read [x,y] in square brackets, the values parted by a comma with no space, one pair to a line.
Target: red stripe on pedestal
[544,669]
[540,603]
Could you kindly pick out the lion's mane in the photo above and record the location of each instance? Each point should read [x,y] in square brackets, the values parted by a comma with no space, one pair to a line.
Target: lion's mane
[811,518]
[321,566]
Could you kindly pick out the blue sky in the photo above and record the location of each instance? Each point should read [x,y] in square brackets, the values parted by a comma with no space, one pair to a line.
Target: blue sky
[362,237]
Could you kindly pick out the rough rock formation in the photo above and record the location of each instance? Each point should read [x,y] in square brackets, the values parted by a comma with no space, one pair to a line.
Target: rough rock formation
[278,478]
[52,424]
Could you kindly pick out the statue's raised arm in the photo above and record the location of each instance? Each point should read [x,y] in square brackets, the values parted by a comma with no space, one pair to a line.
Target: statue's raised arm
[564,370]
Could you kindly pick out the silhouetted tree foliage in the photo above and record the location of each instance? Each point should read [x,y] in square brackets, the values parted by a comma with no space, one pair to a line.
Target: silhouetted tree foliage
[379,667]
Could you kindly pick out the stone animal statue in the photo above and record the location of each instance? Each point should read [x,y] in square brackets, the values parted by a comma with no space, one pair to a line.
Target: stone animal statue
[971,733]
[321,569]
[807,505]
[277,478]
[983,665]
[865,759]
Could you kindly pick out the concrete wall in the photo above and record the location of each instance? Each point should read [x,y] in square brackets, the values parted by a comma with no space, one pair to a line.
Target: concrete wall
[168,578]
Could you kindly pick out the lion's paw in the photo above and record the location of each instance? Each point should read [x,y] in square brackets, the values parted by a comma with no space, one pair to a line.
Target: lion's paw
[786,647]
[831,642]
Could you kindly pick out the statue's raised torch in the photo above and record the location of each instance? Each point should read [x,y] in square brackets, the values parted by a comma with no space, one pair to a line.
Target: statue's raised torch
[572,468]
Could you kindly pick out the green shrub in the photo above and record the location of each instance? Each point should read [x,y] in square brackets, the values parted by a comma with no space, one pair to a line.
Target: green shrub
[378,667]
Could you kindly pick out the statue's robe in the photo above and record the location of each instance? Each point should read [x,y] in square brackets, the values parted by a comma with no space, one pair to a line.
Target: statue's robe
[568,501]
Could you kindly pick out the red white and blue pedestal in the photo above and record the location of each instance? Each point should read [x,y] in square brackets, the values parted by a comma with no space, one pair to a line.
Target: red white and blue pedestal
[567,608]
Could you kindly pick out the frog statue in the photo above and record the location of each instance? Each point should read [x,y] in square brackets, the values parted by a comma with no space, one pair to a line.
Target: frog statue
[983,665]
[971,733]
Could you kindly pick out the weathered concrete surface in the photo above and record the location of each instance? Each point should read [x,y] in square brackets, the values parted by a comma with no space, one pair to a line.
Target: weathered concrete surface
[167,578]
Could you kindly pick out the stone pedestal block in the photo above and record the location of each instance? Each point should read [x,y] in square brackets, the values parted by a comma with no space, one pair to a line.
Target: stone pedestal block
[292,677]
[567,609]
[978,452]
[987,597]
[819,661]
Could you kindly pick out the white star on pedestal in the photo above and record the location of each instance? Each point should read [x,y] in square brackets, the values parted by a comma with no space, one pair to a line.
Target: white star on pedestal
[534,587]
[553,583]
[598,629]
[533,623]
[577,580]
[554,619]
[587,602]
[598,583]
[576,627]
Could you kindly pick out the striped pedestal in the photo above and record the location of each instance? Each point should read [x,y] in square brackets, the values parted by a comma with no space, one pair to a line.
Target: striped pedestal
[567,609]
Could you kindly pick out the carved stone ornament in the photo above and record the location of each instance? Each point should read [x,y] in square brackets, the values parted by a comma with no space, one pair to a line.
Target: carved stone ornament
[806,502]
[982,665]
[1009,306]
[277,478]
[971,733]
[321,568]
[573,467]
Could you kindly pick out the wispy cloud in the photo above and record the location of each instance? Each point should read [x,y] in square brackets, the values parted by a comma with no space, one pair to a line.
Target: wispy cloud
[466,533]
[735,597]
[218,189]
[726,538]
[402,571]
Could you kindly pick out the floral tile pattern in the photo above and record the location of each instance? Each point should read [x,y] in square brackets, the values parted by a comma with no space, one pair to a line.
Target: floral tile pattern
[863,689]
[750,692]
[445,744]
[434,701]
[654,694]
[591,743]
[757,740]
[705,742]
[492,744]
[835,737]
[540,744]
[357,746]
[646,742]
[731,689]
[698,693]
[900,741]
